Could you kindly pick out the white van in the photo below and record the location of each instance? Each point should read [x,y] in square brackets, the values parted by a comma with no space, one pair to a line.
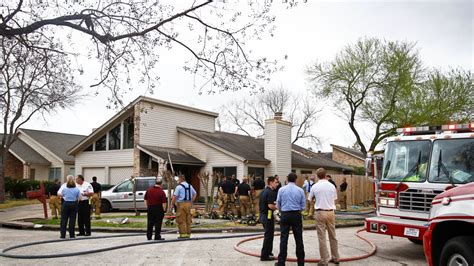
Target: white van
[120,196]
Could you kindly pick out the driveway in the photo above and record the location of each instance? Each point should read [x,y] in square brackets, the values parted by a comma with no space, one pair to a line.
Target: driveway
[398,251]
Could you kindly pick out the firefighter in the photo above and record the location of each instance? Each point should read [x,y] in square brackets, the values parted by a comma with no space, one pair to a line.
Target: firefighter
[95,199]
[257,187]
[228,190]
[220,197]
[54,200]
[244,197]
[184,195]
[308,183]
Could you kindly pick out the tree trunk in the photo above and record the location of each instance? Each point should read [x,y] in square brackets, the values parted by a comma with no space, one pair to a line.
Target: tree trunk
[3,152]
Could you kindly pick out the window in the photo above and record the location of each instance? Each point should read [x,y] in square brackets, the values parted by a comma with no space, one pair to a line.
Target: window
[225,171]
[306,172]
[452,161]
[406,161]
[126,186]
[72,171]
[144,184]
[128,131]
[100,144]
[114,138]
[90,148]
[254,172]
[54,173]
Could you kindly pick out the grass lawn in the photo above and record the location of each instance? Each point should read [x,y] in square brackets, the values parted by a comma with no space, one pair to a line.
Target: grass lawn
[141,223]
[17,202]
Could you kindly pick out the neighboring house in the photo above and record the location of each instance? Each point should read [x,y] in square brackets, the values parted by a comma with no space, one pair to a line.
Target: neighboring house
[347,156]
[41,155]
[150,135]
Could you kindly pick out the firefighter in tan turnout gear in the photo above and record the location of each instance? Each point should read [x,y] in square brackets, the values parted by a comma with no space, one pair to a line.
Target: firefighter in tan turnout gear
[228,190]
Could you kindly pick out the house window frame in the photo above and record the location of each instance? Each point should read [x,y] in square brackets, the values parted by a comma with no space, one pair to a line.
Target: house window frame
[251,167]
[56,173]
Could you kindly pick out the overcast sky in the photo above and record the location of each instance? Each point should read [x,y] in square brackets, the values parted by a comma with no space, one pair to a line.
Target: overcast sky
[317,30]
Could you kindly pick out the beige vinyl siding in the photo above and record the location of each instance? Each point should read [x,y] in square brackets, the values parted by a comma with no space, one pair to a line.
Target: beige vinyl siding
[209,154]
[104,159]
[158,124]
[41,172]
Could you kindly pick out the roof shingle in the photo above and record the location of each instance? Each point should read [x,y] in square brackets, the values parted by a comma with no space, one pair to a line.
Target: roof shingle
[57,143]
[26,153]
[252,149]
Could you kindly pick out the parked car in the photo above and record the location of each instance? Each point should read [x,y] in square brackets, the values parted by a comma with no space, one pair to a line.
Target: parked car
[120,196]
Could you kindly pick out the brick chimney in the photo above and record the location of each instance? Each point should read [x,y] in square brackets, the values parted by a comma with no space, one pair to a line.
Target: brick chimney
[278,145]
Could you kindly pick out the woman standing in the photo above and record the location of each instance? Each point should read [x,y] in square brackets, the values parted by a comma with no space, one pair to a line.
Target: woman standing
[71,195]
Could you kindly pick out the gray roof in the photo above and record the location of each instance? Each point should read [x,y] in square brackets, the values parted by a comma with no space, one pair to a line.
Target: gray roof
[26,153]
[57,143]
[177,156]
[307,157]
[249,148]
[353,152]
[252,149]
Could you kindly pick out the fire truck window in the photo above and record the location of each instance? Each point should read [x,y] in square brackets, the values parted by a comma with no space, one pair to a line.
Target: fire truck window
[406,161]
[452,160]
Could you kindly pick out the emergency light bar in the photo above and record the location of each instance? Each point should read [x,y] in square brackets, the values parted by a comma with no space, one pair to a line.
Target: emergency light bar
[433,129]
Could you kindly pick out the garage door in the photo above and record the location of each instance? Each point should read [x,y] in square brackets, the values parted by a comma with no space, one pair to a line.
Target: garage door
[118,174]
[99,172]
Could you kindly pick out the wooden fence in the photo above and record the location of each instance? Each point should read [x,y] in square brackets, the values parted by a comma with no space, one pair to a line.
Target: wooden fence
[359,188]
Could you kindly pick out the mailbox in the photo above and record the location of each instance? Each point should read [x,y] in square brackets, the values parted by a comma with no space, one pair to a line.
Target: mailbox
[39,195]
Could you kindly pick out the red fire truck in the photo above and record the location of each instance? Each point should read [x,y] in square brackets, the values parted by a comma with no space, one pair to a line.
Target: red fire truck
[417,165]
[449,239]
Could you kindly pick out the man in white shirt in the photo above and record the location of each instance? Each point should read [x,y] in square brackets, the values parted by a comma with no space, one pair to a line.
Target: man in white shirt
[84,208]
[325,194]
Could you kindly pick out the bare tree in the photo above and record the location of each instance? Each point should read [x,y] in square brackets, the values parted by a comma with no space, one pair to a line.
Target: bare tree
[32,82]
[126,37]
[248,115]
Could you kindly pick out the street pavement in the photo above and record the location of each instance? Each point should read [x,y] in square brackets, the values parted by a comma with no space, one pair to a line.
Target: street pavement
[398,251]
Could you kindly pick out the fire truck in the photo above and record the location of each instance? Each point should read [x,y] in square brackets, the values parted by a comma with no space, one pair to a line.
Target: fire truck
[417,165]
[449,239]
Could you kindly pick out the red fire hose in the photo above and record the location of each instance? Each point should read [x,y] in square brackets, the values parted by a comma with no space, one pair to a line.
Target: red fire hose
[292,259]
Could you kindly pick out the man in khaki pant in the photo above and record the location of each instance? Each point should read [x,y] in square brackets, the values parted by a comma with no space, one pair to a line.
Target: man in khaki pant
[184,195]
[54,200]
[325,194]
[343,195]
[244,196]
[95,199]
[257,187]
[308,184]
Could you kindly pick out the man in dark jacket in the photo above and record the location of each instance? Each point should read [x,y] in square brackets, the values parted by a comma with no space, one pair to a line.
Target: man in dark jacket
[155,200]
[267,207]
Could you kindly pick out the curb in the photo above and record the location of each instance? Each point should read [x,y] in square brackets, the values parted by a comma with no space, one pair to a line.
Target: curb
[47,227]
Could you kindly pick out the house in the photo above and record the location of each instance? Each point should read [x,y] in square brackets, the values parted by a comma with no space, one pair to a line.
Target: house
[347,156]
[41,155]
[150,135]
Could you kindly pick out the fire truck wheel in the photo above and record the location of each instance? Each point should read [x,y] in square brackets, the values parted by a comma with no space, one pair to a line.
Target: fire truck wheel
[458,251]
[416,241]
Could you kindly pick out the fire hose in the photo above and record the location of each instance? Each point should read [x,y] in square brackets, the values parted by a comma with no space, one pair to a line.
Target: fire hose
[293,259]
[249,237]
